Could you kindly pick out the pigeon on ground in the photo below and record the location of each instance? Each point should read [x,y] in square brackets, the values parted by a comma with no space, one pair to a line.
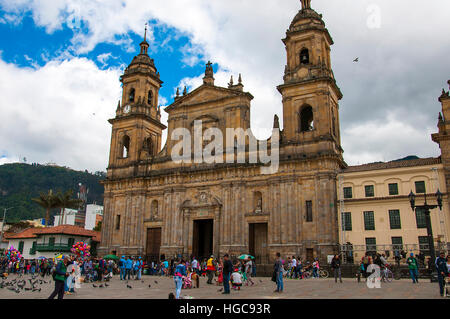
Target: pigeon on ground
[93,285]
[260,280]
[142,281]
[106,285]
[149,286]
[28,289]
[220,290]
[101,286]
[156,282]
[128,286]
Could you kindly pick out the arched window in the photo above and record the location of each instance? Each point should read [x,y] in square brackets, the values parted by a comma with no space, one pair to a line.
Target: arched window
[257,201]
[306,119]
[304,56]
[154,209]
[150,98]
[126,146]
[132,94]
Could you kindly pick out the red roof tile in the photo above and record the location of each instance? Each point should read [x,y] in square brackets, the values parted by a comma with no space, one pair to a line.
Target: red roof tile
[62,229]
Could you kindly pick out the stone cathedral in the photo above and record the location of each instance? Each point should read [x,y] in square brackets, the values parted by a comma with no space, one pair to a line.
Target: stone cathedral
[155,207]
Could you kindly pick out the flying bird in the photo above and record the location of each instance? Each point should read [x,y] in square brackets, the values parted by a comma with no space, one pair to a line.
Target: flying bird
[356,60]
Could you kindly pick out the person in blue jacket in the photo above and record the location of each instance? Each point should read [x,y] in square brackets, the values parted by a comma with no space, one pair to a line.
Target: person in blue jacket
[128,267]
[180,271]
[122,263]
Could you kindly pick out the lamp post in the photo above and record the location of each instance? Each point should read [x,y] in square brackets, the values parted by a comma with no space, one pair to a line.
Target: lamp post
[3,222]
[426,210]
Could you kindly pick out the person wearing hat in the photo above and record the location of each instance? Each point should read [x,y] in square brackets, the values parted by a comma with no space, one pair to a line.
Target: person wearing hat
[413,265]
[442,270]
[210,269]
[59,277]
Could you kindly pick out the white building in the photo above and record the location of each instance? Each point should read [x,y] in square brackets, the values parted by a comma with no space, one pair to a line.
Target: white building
[51,241]
[94,214]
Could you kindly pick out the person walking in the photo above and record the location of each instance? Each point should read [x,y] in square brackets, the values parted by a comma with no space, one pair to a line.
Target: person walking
[248,272]
[59,278]
[227,270]
[294,268]
[278,272]
[413,266]
[179,273]
[336,266]
[442,270]
[210,269]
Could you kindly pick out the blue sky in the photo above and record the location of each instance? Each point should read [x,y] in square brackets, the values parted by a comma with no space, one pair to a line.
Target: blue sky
[28,45]
[61,62]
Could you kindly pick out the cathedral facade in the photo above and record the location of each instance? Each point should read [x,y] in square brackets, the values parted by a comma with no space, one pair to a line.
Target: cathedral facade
[157,206]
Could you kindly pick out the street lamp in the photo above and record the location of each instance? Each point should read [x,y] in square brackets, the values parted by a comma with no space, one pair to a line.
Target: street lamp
[426,210]
[3,222]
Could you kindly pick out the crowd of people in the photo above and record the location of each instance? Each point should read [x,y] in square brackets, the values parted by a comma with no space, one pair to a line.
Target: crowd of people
[68,272]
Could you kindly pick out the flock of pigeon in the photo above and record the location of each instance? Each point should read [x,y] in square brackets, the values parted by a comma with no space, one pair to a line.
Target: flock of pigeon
[105,285]
[20,284]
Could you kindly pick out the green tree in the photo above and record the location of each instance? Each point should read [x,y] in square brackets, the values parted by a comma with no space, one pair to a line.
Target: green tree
[65,200]
[47,201]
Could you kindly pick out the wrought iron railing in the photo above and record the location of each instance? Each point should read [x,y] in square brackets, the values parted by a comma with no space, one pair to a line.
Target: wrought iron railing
[354,253]
[47,247]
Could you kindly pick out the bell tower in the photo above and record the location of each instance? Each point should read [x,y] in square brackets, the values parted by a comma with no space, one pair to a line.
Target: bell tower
[443,136]
[310,93]
[137,127]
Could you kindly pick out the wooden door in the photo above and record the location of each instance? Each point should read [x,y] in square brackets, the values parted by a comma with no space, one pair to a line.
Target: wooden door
[258,242]
[153,243]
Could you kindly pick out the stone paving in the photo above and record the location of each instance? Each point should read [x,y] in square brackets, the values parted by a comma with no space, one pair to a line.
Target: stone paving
[263,289]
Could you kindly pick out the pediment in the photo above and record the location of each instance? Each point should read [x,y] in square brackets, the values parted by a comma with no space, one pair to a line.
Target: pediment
[205,94]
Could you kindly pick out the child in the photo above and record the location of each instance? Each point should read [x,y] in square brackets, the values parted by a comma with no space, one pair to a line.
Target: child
[236,280]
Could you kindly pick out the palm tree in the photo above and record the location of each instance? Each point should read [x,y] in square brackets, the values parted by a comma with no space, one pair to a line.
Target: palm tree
[65,200]
[48,202]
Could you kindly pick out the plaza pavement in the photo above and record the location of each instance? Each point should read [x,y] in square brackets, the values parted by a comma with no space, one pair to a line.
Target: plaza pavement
[263,289]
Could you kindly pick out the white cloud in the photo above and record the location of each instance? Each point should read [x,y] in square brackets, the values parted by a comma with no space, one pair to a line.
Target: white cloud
[47,113]
[401,64]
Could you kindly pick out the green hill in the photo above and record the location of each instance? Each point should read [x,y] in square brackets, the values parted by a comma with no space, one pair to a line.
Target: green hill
[21,182]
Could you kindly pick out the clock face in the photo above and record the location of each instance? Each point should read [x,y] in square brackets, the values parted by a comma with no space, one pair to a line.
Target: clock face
[127,109]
